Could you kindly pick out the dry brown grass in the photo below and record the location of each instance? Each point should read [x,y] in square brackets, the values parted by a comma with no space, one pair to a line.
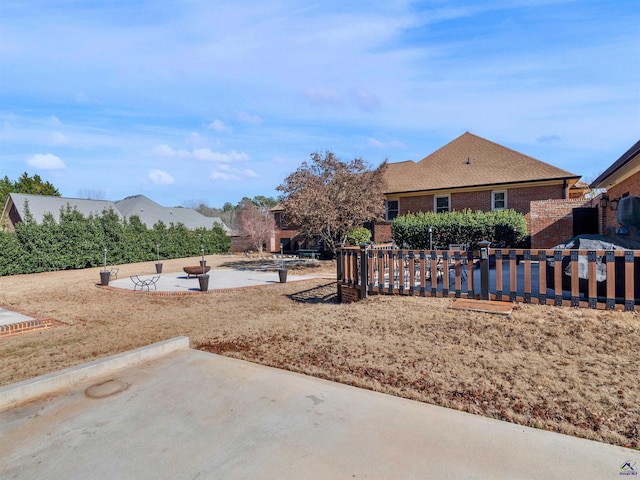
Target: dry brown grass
[573,371]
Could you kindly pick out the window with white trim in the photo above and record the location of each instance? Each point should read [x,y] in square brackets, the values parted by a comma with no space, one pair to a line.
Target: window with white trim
[442,203]
[499,200]
[393,207]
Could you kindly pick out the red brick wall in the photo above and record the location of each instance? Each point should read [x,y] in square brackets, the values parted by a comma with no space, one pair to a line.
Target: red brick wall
[551,221]
[423,203]
[382,232]
[631,186]
[471,200]
[518,199]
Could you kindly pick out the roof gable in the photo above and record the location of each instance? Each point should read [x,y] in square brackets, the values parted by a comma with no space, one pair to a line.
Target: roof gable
[470,161]
[626,165]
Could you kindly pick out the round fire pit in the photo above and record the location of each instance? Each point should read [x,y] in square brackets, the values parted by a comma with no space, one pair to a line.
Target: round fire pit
[195,270]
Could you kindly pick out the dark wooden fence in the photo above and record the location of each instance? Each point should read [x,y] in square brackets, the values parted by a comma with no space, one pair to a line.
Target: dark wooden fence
[604,279]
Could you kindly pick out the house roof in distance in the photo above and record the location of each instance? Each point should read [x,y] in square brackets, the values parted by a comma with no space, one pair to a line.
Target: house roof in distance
[39,205]
[470,161]
[620,169]
[150,212]
[147,210]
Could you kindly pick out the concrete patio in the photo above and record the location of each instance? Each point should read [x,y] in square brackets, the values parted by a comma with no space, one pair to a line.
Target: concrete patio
[219,279]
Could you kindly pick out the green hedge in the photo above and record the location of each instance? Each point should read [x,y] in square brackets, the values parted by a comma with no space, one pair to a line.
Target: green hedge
[75,241]
[503,228]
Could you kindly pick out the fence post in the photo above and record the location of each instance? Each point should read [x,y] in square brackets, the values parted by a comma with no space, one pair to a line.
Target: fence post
[339,272]
[484,269]
[364,274]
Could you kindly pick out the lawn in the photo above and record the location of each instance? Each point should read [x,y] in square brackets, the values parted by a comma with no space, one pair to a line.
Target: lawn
[567,370]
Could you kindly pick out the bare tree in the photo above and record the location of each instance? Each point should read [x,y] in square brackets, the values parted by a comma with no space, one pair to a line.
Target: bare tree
[328,197]
[257,224]
[92,194]
[194,204]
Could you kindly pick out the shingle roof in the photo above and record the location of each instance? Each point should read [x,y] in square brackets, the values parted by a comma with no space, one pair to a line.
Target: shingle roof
[39,205]
[149,211]
[601,181]
[470,161]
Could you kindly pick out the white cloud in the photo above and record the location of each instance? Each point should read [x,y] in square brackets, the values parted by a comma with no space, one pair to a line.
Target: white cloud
[46,161]
[160,177]
[167,151]
[57,138]
[248,118]
[228,174]
[365,100]
[225,177]
[208,155]
[218,126]
[372,142]
[203,154]
[196,140]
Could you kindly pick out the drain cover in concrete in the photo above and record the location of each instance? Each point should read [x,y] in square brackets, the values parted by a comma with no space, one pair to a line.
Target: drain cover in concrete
[106,389]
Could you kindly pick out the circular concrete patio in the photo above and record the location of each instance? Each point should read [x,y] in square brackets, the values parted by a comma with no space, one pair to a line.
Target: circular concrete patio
[219,279]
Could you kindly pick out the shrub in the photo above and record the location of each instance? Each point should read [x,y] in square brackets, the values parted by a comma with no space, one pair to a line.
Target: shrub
[359,235]
[503,228]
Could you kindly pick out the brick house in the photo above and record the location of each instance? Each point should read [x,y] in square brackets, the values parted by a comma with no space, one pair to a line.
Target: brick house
[621,179]
[474,173]
[289,236]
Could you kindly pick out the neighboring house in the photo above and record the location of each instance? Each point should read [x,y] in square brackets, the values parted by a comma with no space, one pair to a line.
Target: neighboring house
[477,174]
[621,179]
[291,237]
[288,236]
[147,210]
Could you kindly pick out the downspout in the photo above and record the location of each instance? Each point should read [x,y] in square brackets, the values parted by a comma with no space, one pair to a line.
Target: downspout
[564,189]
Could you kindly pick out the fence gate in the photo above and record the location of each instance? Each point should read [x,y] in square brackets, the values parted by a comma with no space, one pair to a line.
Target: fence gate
[585,220]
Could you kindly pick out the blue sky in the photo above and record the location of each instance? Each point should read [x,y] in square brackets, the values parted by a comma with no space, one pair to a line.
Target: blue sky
[193,100]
